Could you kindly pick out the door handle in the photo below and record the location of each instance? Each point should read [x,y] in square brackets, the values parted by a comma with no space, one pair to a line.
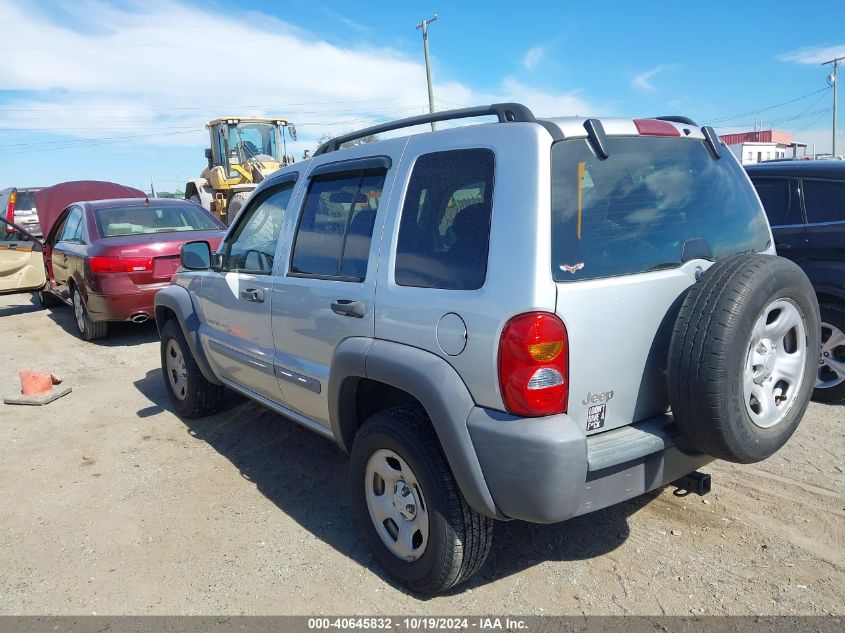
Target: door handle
[256,295]
[782,247]
[348,307]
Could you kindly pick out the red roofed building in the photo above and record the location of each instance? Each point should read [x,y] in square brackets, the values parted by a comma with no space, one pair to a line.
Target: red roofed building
[762,145]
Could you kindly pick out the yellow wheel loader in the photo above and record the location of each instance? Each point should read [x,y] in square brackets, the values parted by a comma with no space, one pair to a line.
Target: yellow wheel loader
[243,152]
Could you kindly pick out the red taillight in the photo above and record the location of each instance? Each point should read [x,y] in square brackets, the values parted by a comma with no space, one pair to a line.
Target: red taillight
[654,127]
[10,211]
[120,264]
[533,365]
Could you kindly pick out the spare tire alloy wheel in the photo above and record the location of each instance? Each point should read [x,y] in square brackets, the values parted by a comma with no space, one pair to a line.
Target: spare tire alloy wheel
[742,359]
[775,363]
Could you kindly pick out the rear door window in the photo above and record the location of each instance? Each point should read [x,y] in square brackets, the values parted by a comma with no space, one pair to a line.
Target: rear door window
[336,225]
[71,225]
[776,198]
[444,234]
[653,203]
[824,200]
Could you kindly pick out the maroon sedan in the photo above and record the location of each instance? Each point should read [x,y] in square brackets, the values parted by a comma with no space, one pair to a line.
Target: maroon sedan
[108,258]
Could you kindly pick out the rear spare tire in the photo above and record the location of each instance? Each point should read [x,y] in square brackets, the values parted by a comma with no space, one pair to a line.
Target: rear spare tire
[742,362]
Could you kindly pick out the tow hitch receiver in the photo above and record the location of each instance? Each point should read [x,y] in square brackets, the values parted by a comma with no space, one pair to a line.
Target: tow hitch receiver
[696,482]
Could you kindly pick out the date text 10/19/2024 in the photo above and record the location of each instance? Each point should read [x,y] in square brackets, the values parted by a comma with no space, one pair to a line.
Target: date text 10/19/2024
[418,624]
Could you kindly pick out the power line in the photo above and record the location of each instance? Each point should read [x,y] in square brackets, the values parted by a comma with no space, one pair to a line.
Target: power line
[777,105]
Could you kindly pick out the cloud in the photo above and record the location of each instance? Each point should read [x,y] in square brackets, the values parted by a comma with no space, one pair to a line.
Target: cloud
[532,57]
[643,80]
[133,74]
[813,54]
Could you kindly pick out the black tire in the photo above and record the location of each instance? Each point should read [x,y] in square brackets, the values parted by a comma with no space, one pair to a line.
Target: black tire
[711,343]
[831,315]
[236,204]
[47,299]
[89,330]
[459,539]
[200,397]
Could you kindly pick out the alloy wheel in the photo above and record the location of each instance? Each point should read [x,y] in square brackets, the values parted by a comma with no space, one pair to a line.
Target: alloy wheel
[774,366]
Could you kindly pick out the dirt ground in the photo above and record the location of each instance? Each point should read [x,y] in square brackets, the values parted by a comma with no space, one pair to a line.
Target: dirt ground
[110,504]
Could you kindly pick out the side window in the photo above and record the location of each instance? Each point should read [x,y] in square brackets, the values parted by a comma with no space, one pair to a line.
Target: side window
[252,246]
[9,233]
[336,226]
[775,195]
[824,200]
[444,234]
[72,225]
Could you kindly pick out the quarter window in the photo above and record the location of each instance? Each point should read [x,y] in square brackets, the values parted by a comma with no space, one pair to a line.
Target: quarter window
[252,246]
[336,226]
[824,200]
[444,234]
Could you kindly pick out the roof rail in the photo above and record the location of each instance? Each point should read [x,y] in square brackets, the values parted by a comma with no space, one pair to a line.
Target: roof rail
[677,119]
[506,112]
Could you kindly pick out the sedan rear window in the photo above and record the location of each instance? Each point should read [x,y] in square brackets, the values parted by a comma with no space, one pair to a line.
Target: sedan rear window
[654,203]
[121,221]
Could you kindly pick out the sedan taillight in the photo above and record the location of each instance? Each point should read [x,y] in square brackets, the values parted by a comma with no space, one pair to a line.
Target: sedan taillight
[120,264]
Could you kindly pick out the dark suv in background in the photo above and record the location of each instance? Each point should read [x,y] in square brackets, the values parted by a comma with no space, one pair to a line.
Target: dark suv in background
[805,202]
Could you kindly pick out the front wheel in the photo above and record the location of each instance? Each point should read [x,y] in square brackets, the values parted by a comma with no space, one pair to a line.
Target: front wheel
[191,394]
[89,330]
[414,517]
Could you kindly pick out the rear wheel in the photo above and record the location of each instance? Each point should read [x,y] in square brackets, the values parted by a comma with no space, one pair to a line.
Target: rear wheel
[191,394]
[830,382]
[407,502]
[89,330]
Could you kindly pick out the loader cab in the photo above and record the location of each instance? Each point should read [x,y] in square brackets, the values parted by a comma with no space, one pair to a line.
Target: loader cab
[245,147]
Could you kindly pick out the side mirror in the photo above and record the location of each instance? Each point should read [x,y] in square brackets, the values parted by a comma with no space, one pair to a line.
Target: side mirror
[195,255]
[208,153]
[292,131]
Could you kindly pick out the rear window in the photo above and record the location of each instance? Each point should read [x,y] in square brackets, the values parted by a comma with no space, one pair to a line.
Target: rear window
[121,221]
[25,200]
[653,203]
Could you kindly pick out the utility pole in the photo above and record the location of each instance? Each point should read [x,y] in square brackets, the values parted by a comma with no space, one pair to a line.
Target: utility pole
[835,64]
[424,26]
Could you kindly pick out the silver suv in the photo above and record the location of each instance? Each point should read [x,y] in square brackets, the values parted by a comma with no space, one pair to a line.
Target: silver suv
[523,319]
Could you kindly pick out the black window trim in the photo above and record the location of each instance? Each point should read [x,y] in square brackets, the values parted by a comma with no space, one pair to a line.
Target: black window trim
[801,181]
[368,163]
[361,166]
[289,179]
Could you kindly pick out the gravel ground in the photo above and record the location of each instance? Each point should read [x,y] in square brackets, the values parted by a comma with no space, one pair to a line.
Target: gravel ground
[110,504]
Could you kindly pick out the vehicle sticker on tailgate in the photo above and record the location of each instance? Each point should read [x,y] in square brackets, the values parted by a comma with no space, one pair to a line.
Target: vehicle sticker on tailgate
[595,416]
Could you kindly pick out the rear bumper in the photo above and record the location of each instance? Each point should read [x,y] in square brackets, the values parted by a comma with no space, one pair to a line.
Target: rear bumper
[546,470]
[122,307]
